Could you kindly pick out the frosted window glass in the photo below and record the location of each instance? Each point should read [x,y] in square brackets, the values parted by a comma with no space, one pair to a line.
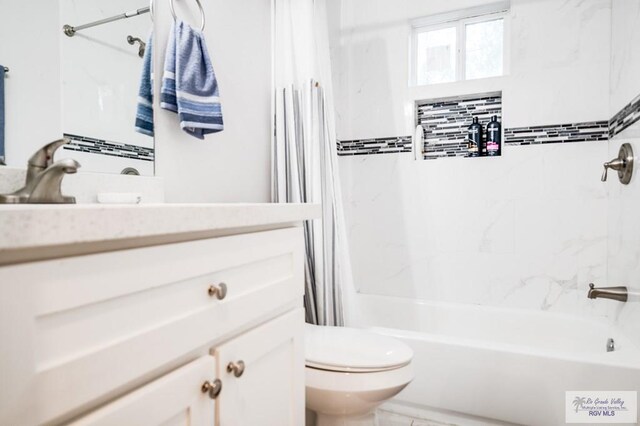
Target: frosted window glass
[484,49]
[436,56]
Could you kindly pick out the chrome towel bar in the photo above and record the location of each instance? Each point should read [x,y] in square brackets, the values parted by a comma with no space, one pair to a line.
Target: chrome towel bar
[70,31]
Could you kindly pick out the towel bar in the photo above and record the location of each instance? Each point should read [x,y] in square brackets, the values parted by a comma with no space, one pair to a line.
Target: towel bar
[70,31]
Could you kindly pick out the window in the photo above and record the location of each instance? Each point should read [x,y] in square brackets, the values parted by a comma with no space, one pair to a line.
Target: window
[458,46]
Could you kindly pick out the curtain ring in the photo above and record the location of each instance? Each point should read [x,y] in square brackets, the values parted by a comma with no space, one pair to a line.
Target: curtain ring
[173,12]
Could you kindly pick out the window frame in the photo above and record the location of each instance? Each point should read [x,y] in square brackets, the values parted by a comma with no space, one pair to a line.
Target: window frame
[459,20]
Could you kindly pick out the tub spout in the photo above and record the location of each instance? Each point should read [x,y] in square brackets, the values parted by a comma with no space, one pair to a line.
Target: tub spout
[620,293]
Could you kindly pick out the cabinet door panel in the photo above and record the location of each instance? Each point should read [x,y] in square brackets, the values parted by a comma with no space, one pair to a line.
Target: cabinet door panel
[173,400]
[270,390]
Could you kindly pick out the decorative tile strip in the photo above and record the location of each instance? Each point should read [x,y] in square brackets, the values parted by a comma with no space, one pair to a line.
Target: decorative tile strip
[375,146]
[627,116]
[113,149]
[446,122]
[557,133]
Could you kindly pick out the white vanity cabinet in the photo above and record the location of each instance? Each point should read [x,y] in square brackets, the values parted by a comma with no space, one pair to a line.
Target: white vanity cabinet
[130,336]
[256,380]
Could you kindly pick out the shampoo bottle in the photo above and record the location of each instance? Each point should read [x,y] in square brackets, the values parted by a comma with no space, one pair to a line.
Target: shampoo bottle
[494,136]
[475,139]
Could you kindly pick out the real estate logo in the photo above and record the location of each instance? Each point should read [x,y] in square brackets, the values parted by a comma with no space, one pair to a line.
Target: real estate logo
[601,407]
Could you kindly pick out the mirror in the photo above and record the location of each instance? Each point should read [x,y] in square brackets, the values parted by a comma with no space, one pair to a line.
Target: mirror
[83,85]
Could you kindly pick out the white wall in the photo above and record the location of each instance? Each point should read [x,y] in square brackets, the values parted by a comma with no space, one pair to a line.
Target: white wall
[233,165]
[624,200]
[525,230]
[29,46]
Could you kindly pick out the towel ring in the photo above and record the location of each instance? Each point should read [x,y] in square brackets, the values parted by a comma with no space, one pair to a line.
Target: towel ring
[151,9]
[173,12]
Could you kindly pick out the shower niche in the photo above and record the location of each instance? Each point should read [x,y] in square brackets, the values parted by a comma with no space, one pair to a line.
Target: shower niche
[446,121]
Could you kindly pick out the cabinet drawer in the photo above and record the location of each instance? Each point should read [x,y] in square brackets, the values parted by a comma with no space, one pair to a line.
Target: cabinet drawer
[133,312]
[175,399]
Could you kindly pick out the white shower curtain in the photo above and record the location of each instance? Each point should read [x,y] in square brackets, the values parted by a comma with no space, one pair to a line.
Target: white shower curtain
[304,159]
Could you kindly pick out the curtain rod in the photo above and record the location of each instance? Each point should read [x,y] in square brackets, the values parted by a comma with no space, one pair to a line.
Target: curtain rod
[71,31]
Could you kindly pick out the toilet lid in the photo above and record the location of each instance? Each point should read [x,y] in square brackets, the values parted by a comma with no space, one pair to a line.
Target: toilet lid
[349,349]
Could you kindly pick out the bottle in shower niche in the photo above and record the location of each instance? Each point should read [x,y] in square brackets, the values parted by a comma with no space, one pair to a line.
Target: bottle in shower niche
[494,137]
[476,148]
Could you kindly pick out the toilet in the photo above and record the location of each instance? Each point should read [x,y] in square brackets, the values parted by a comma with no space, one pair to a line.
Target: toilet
[350,372]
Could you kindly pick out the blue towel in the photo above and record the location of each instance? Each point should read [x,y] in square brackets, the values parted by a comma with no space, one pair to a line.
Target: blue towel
[2,115]
[144,112]
[189,85]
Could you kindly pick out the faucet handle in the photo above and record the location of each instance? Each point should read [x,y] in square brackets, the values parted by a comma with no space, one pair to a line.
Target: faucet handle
[43,157]
[623,164]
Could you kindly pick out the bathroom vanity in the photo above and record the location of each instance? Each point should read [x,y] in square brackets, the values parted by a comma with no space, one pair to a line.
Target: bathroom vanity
[162,314]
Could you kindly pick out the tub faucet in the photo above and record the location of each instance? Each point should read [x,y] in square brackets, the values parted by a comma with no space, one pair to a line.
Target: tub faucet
[621,294]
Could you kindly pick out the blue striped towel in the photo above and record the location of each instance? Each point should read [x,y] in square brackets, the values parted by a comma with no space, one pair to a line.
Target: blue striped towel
[189,85]
[144,112]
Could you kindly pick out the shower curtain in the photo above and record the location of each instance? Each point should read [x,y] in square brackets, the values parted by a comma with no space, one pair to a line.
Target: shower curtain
[304,157]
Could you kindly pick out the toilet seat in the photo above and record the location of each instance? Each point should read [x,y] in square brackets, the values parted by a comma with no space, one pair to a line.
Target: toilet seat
[343,349]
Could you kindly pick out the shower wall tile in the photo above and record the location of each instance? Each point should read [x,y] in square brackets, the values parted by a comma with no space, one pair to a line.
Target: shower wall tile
[624,200]
[624,238]
[527,231]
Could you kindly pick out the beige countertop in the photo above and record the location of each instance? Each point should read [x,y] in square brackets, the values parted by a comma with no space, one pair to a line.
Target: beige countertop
[35,232]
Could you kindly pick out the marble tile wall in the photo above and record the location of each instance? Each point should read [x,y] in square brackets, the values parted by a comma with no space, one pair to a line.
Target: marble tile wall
[623,207]
[527,230]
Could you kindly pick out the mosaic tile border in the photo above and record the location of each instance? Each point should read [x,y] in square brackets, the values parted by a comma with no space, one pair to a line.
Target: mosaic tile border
[557,133]
[627,116]
[113,149]
[439,118]
[375,146]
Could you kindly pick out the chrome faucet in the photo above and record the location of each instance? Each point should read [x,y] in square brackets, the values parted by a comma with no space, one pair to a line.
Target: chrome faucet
[44,178]
[621,293]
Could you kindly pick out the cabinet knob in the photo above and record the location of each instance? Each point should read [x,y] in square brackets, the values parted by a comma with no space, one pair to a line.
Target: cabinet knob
[219,291]
[237,368]
[212,388]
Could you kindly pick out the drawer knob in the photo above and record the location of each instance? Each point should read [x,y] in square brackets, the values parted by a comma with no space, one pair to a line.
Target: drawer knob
[212,388]
[219,291]
[237,368]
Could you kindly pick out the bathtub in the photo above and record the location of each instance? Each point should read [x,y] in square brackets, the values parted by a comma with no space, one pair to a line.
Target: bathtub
[504,365]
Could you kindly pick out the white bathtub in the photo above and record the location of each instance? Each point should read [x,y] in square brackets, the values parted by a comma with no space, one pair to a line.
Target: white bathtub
[501,364]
